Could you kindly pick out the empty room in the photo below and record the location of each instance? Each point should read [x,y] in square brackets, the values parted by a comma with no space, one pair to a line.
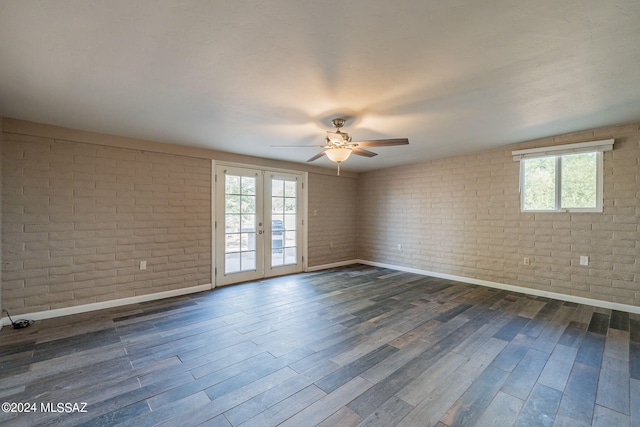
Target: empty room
[283,213]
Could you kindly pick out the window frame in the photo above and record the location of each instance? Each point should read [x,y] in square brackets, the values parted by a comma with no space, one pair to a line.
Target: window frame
[558,152]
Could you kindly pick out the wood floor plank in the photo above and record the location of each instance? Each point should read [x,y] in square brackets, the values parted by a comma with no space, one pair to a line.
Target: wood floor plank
[471,405]
[232,398]
[617,344]
[345,417]
[485,356]
[181,409]
[283,410]
[634,360]
[613,385]
[554,330]
[433,408]
[605,417]
[634,329]
[354,345]
[572,335]
[389,414]
[501,412]
[367,402]
[591,350]
[619,320]
[521,381]
[273,396]
[424,385]
[509,331]
[634,386]
[541,407]
[329,404]
[513,353]
[578,400]
[599,324]
[557,369]
[341,376]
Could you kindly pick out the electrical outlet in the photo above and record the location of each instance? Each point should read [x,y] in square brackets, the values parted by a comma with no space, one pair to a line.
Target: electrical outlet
[331,244]
[584,260]
[526,261]
[399,247]
[143,265]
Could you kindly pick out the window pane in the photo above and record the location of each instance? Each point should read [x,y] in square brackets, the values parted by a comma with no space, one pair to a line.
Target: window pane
[248,223]
[248,261]
[277,242]
[247,242]
[277,257]
[289,239]
[539,189]
[290,205]
[277,223]
[277,205]
[232,184]
[290,256]
[290,222]
[232,243]
[290,188]
[232,204]
[248,185]
[579,181]
[248,204]
[232,224]
[277,187]
[232,262]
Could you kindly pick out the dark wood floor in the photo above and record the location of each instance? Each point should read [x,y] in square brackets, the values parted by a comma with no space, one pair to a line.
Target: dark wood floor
[351,346]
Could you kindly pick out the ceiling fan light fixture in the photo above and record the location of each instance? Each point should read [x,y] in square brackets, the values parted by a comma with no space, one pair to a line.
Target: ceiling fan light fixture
[338,154]
[338,137]
[339,145]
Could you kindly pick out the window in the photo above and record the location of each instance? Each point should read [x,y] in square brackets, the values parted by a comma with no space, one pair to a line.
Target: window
[565,178]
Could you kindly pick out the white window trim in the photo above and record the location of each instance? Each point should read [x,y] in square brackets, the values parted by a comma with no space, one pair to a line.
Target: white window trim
[557,151]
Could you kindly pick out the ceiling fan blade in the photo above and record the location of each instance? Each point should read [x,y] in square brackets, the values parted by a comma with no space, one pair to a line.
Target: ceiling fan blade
[363,152]
[382,142]
[297,146]
[317,156]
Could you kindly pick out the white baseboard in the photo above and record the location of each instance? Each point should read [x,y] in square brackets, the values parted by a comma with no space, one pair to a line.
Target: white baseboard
[332,265]
[502,286]
[58,312]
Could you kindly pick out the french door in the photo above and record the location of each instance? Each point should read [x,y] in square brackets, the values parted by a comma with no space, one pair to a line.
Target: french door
[258,226]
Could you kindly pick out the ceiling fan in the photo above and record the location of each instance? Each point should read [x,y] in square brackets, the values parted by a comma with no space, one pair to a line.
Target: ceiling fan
[339,145]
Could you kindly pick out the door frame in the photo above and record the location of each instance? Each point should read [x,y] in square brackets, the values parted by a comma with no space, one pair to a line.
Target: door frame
[303,203]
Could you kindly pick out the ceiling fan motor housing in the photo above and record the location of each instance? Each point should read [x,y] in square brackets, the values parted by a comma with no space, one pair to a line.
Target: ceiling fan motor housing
[338,122]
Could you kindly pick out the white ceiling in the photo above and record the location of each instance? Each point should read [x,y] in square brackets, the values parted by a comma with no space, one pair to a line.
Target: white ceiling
[453,76]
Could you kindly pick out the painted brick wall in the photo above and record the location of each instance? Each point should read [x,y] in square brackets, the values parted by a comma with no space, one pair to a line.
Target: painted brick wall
[461,216]
[78,219]
[1,156]
[333,217]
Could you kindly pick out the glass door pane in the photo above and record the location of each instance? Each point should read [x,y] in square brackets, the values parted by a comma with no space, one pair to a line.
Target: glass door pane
[285,223]
[239,225]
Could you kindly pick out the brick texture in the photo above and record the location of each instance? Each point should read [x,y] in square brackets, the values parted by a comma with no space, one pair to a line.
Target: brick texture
[333,219]
[462,216]
[1,156]
[78,219]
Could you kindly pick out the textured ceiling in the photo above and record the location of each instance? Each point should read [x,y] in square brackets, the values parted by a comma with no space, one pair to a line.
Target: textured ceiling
[453,76]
